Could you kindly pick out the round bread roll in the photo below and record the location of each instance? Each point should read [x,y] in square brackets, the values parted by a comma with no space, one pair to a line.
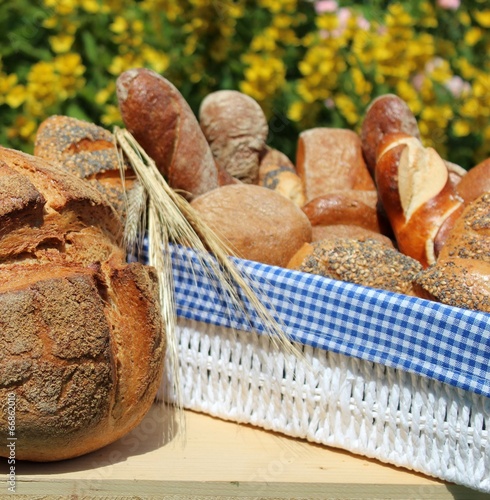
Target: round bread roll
[476,182]
[82,340]
[82,350]
[257,224]
[353,207]
[367,262]
[236,129]
[457,282]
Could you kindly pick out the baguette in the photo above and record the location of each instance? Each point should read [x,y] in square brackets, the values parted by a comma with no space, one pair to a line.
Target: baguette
[162,122]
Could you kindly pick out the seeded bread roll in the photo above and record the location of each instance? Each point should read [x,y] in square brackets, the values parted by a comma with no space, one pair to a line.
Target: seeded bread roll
[387,114]
[348,231]
[162,122]
[461,275]
[457,282]
[330,159]
[86,150]
[257,223]
[277,172]
[81,335]
[236,129]
[369,263]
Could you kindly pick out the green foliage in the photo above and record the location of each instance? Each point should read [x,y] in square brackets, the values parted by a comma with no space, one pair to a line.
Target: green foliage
[307,63]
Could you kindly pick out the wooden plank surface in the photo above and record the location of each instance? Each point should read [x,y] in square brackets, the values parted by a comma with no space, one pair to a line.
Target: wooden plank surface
[213,458]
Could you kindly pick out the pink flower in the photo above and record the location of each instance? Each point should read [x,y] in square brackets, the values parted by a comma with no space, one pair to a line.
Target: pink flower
[449,4]
[456,85]
[325,6]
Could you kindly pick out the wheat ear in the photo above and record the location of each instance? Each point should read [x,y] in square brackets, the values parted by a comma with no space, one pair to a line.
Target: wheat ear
[171,219]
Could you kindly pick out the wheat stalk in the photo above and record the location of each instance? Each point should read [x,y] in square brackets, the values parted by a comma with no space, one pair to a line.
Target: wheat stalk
[171,219]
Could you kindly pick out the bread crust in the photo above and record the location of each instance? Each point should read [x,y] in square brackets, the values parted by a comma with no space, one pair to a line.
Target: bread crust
[81,334]
[257,223]
[349,207]
[69,219]
[61,330]
[162,122]
[387,114]
[236,129]
[88,151]
[366,262]
[330,159]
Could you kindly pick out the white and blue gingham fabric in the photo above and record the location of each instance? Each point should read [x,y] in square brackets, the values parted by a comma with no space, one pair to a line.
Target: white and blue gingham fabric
[433,340]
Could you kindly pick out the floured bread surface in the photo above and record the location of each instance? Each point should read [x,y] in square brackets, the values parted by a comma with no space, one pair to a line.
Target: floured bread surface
[82,340]
[48,214]
[62,328]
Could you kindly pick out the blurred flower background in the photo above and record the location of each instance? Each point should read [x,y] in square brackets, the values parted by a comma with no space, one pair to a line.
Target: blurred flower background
[307,63]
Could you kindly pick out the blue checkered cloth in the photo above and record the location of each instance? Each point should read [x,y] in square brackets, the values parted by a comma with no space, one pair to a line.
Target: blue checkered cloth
[433,340]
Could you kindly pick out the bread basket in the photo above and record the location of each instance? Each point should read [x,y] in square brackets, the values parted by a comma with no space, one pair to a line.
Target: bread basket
[386,376]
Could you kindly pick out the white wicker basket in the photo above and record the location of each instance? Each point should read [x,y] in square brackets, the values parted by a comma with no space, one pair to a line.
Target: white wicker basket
[393,414]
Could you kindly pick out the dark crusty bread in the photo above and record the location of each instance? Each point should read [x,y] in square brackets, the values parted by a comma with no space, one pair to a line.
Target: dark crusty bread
[82,349]
[86,150]
[257,223]
[48,213]
[363,262]
[236,129]
[81,334]
[162,122]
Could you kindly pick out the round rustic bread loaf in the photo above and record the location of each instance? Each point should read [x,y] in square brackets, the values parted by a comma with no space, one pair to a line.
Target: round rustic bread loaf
[257,223]
[81,335]
[236,129]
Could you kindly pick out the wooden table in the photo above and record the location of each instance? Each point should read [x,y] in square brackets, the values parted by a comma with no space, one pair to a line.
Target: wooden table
[218,459]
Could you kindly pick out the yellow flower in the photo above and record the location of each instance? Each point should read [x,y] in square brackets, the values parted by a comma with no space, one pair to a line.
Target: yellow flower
[7,83]
[157,60]
[16,96]
[69,64]
[111,116]
[103,95]
[119,26]
[461,128]
[61,43]
[473,36]
[295,111]
[470,108]
[347,108]
[91,6]
[482,17]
